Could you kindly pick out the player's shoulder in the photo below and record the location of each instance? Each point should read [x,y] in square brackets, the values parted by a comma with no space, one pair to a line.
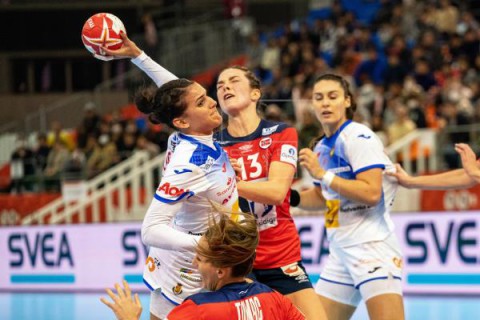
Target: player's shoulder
[355,130]
[194,152]
[271,127]
[231,292]
[266,128]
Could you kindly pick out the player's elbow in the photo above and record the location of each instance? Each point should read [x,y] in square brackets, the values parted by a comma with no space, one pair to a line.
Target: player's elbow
[277,198]
[373,198]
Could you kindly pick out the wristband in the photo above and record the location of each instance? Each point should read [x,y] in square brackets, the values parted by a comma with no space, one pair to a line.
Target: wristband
[328,178]
[294,198]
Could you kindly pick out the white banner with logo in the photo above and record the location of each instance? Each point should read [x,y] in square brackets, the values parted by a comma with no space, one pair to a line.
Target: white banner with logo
[441,254]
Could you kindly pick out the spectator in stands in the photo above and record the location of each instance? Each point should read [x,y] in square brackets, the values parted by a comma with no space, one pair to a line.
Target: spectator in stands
[90,145]
[22,168]
[467,22]
[254,51]
[158,134]
[150,36]
[301,101]
[372,67]
[402,125]
[429,45]
[56,161]
[144,144]
[423,75]
[90,124]
[446,17]
[126,146]
[76,166]
[451,117]
[131,127]
[41,151]
[274,113]
[470,46]
[91,119]
[270,56]
[416,111]
[394,72]
[104,155]
[57,133]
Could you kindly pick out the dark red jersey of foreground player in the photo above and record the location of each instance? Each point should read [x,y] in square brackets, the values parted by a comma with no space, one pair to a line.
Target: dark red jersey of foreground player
[271,141]
[237,301]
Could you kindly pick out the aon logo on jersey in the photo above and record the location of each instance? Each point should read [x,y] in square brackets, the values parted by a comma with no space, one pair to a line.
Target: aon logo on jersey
[171,190]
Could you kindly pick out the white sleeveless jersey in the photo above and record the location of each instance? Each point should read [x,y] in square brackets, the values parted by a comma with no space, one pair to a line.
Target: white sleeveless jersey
[197,172]
[353,149]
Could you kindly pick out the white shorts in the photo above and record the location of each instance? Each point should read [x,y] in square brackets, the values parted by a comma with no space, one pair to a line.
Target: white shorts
[172,273]
[160,306]
[361,271]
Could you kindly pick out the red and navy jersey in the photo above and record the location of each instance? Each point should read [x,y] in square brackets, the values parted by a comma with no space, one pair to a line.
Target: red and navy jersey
[237,301]
[271,141]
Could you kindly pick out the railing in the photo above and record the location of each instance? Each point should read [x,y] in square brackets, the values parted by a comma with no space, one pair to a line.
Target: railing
[131,183]
[417,151]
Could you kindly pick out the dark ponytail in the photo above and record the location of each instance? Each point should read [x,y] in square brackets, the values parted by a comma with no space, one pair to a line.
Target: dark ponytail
[164,104]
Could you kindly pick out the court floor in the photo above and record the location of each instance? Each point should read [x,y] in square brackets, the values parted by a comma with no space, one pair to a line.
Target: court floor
[53,306]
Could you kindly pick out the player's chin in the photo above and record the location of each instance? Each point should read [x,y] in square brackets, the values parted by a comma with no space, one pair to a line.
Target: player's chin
[229,107]
[217,120]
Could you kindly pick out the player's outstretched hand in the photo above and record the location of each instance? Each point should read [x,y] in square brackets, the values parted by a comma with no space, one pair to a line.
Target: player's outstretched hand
[309,160]
[128,50]
[124,305]
[403,178]
[469,159]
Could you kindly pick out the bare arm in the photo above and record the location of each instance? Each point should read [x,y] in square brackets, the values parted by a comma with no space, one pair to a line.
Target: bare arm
[366,188]
[274,190]
[454,179]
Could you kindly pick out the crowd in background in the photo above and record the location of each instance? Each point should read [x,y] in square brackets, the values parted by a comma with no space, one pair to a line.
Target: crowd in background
[415,65]
[98,143]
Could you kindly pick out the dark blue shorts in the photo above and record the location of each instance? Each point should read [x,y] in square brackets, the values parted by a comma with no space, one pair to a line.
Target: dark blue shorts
[286,280]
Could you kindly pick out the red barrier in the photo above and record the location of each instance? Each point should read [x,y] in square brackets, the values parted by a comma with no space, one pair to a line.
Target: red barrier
[25,204]
[450,200]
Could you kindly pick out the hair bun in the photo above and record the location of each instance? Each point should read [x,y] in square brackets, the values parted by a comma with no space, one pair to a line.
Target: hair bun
[145,100]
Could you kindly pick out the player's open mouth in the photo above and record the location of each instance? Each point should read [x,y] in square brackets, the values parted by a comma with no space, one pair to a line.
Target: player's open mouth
[228,96]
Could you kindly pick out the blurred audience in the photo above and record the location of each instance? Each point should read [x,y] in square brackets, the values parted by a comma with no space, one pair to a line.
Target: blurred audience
[417,65]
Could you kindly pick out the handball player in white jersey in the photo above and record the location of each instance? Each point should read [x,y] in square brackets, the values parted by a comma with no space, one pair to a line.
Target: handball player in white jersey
[196,174]
[348,165]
